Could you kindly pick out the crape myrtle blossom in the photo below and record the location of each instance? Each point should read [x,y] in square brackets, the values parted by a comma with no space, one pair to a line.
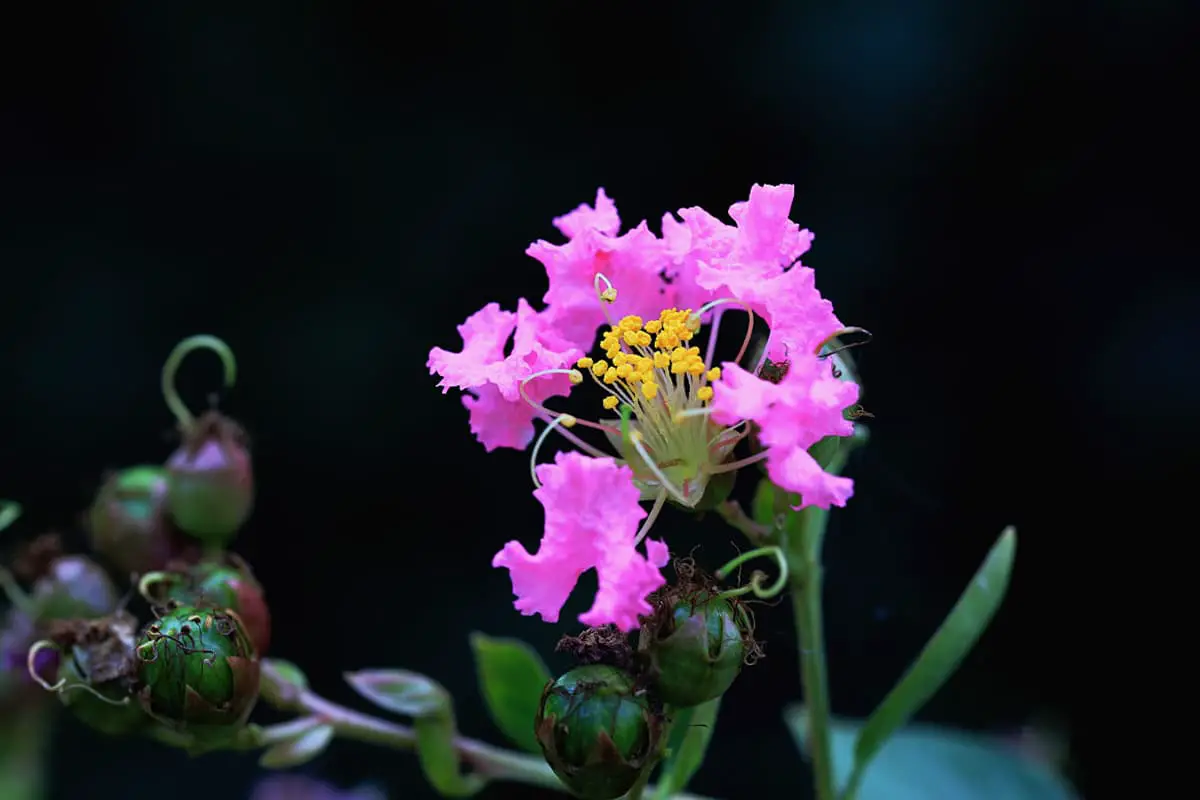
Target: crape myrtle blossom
[592,517]
[674,417]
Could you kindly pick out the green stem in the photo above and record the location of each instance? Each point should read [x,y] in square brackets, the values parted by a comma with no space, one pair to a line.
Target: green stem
[491,762]
[805,569]
[22,753]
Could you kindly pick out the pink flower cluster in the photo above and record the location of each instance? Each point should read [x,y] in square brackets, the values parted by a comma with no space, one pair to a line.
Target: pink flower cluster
[592,508]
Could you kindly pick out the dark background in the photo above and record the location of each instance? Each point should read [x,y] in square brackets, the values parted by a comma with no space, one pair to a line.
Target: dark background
[333,189]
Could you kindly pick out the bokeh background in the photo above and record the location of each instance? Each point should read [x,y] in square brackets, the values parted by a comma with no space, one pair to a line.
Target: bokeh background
[332,189]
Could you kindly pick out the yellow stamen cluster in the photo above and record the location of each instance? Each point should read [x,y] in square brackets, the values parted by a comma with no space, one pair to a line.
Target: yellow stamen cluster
[642,359]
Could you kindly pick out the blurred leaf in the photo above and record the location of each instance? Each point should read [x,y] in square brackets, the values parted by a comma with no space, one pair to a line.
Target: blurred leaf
[942,655]
[413,695]
[687,743]
[281,682]
[399,691]
[301,750]
[928,762]
[511,679]
[10,511]
[24,745]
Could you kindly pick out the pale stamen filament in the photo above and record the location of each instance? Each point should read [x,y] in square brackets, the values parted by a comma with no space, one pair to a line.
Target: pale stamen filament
[575,440]
[606,296]
[713,331]
[730,466]
[663,481]
[576,378]
[713,335]
[659,502]
[566,420]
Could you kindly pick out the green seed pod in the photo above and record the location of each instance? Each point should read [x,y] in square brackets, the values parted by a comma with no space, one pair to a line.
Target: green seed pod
[225,583]
[125,522]
[73,586]
[97,671]
[695,645]
[598,734]
[211,484]
[197,668]
[94,671]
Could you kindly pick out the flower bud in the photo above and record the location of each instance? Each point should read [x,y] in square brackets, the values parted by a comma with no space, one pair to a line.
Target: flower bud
[125,522]
[197,667]
[598,734]
[694,645]
[96,672]
[223,584]
[211,485]
[73,586]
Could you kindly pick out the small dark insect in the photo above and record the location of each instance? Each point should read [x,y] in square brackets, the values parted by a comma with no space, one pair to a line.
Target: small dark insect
[773,371]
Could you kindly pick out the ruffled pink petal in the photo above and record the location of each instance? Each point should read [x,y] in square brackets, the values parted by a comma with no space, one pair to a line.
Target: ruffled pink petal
[603,218]
[500,416]
[592,516]
[797,471]
[633,262]
[793,415]
[484,335]
[741,395]
[765,234]
[497,422]
[537,346]
[657,553]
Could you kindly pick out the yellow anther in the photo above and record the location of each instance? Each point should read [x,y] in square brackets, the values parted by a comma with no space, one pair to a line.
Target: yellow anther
[649,390]
[662,360]
[584,363]
[695,368]
[599,368]
[642,339]
[575,377]
[609,295]
[678,368]
[654,326]
[610,377]
[631,323]
[704,393]
[610,402]
[679,354]
[624,371]
[568,420]
[620,358]
[630,338]
[713,374]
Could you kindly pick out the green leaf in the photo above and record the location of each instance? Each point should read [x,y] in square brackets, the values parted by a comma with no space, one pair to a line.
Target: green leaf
[929,762]
[942,655]
[281,682]
[301,750]
[10,512]
[687,743]
[413,695]
[511,679]
[399,691]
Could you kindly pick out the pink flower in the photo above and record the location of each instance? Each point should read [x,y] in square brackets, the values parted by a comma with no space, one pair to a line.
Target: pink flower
[756,263]
[499,416]
[633,262]
[793,415]
[592,516]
